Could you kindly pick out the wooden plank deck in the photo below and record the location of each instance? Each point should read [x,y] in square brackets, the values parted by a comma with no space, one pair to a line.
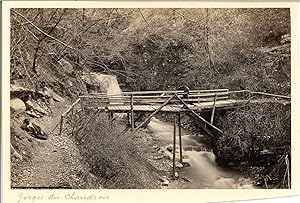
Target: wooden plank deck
[119,108]
[150,101]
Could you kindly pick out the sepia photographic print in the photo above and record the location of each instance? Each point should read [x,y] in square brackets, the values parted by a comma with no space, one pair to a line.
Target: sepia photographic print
[149,98]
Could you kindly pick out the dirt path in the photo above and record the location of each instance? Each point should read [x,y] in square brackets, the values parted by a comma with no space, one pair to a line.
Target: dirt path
[55,162]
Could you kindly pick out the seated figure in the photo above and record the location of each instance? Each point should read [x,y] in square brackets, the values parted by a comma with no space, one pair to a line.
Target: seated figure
[34,130]
[186,91]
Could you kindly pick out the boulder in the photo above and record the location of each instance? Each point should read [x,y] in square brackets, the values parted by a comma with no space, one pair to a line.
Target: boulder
[178,165]
[29,105]
[33,114]
[164,180]
[51,94]
[16,88]
[15,154]
[34,109]
[17,91]
[185,164]
[17,106]
[170,148]
[185,179]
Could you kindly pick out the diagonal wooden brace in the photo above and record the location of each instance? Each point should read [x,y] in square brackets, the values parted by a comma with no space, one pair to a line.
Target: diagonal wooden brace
[154,113]
[197,115]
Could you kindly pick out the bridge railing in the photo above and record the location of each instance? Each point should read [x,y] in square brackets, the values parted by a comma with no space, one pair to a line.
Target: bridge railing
[248,93]
[68,115]
[152,97]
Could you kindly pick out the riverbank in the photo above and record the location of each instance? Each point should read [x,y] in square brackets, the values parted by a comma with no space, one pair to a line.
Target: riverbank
[111,156]
[202,171]
[255,142]
[119,158]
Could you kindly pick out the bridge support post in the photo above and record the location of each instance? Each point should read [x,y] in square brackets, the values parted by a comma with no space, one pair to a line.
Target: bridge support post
[61,124]
[110,118]
[131,110]
[213,110]
[174,149]
[180,143]
[72,121]
[82,103]
[128,118]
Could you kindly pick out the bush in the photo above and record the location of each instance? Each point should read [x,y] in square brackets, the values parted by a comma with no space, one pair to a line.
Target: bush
[114,156]
[254,128]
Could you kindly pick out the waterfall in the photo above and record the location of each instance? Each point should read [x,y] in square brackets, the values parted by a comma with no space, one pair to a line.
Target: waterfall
[108,83]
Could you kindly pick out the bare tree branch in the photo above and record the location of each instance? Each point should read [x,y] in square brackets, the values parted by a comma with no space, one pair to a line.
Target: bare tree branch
[43,32]
[144,18]
[183,15]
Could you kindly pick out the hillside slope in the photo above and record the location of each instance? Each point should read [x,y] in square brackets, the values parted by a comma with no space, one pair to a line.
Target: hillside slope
[147,49]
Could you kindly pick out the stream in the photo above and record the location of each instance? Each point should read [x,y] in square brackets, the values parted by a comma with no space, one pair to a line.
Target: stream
[203,171]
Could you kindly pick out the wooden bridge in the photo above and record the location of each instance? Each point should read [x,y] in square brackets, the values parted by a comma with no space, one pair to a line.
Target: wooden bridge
[195,102]
[137,104]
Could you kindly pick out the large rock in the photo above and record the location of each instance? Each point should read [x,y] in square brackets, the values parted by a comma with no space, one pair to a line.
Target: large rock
[164,180]
[185,164]
[51,94]
[170,148]
[17,91]
[31,106]
[178,165]
[34,130]
[285,39]
[17,106]
[17,88]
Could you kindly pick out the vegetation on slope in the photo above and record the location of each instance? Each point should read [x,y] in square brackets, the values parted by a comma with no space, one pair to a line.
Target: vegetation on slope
[164,49]
[260,137]
[152,49]
[116,156]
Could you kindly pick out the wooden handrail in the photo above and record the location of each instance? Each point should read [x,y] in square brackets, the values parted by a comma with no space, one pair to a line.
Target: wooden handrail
[260,93]
[152,96]
[163,92]
[70,108]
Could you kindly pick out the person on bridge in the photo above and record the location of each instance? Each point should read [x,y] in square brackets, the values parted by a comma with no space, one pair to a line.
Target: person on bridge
[186,92]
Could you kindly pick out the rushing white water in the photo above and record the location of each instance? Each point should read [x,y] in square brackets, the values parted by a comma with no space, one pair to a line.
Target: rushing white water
[108,83]
[203,171]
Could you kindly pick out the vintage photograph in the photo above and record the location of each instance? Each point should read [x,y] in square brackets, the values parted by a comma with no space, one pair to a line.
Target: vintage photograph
[150,98]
